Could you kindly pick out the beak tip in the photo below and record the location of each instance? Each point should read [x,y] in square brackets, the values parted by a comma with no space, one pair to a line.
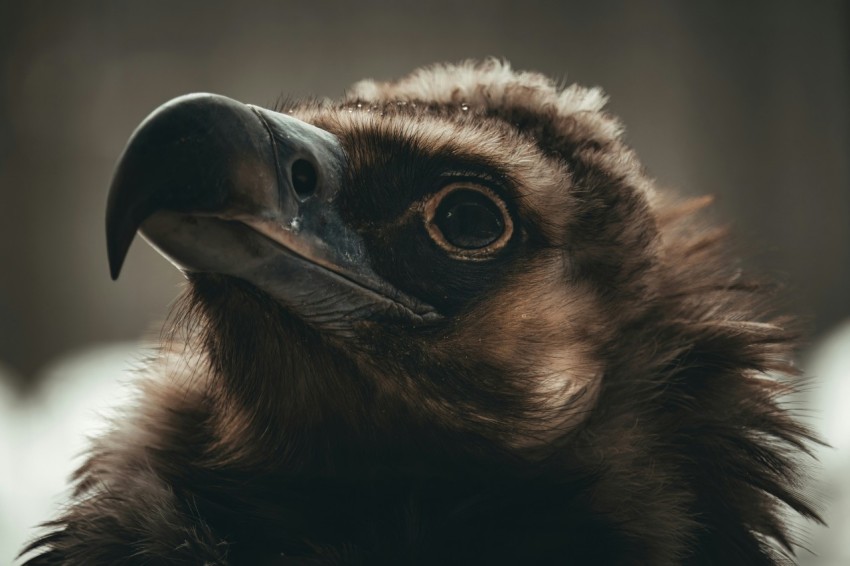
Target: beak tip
[116,251]
[114,266]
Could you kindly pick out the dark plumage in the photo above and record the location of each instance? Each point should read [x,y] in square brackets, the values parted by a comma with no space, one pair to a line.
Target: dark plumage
[552,364]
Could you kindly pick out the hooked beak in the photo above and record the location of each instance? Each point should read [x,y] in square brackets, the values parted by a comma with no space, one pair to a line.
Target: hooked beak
[218,186]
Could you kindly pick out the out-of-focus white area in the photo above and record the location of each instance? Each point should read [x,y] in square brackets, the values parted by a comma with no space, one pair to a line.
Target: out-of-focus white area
[830,370]
[8,415]
[828,405]
[42,437]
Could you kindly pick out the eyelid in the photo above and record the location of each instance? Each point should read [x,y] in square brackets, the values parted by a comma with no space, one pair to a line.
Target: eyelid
[498,184]
[429,208]
[492,182]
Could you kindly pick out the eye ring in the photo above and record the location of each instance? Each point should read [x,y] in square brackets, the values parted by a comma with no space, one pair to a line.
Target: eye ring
[432,207]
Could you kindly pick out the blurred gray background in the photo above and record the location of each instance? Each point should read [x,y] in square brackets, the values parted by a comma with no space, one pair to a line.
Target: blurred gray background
[744,100]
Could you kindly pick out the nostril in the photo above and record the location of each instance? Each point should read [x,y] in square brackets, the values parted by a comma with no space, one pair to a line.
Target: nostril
[304,178]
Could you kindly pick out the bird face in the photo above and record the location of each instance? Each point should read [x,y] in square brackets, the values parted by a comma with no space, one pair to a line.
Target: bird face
[452,246]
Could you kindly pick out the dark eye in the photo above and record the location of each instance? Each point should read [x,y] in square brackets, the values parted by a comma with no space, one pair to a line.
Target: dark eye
[468,221]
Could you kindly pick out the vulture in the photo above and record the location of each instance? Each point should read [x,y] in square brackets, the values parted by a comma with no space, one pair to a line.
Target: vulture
[445,320]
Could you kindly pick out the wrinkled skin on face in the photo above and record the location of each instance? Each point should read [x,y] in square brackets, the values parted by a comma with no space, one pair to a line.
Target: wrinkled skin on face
[495,344]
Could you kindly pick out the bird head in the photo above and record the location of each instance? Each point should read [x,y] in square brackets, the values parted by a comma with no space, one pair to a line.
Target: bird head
[454,244]
[463,267]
